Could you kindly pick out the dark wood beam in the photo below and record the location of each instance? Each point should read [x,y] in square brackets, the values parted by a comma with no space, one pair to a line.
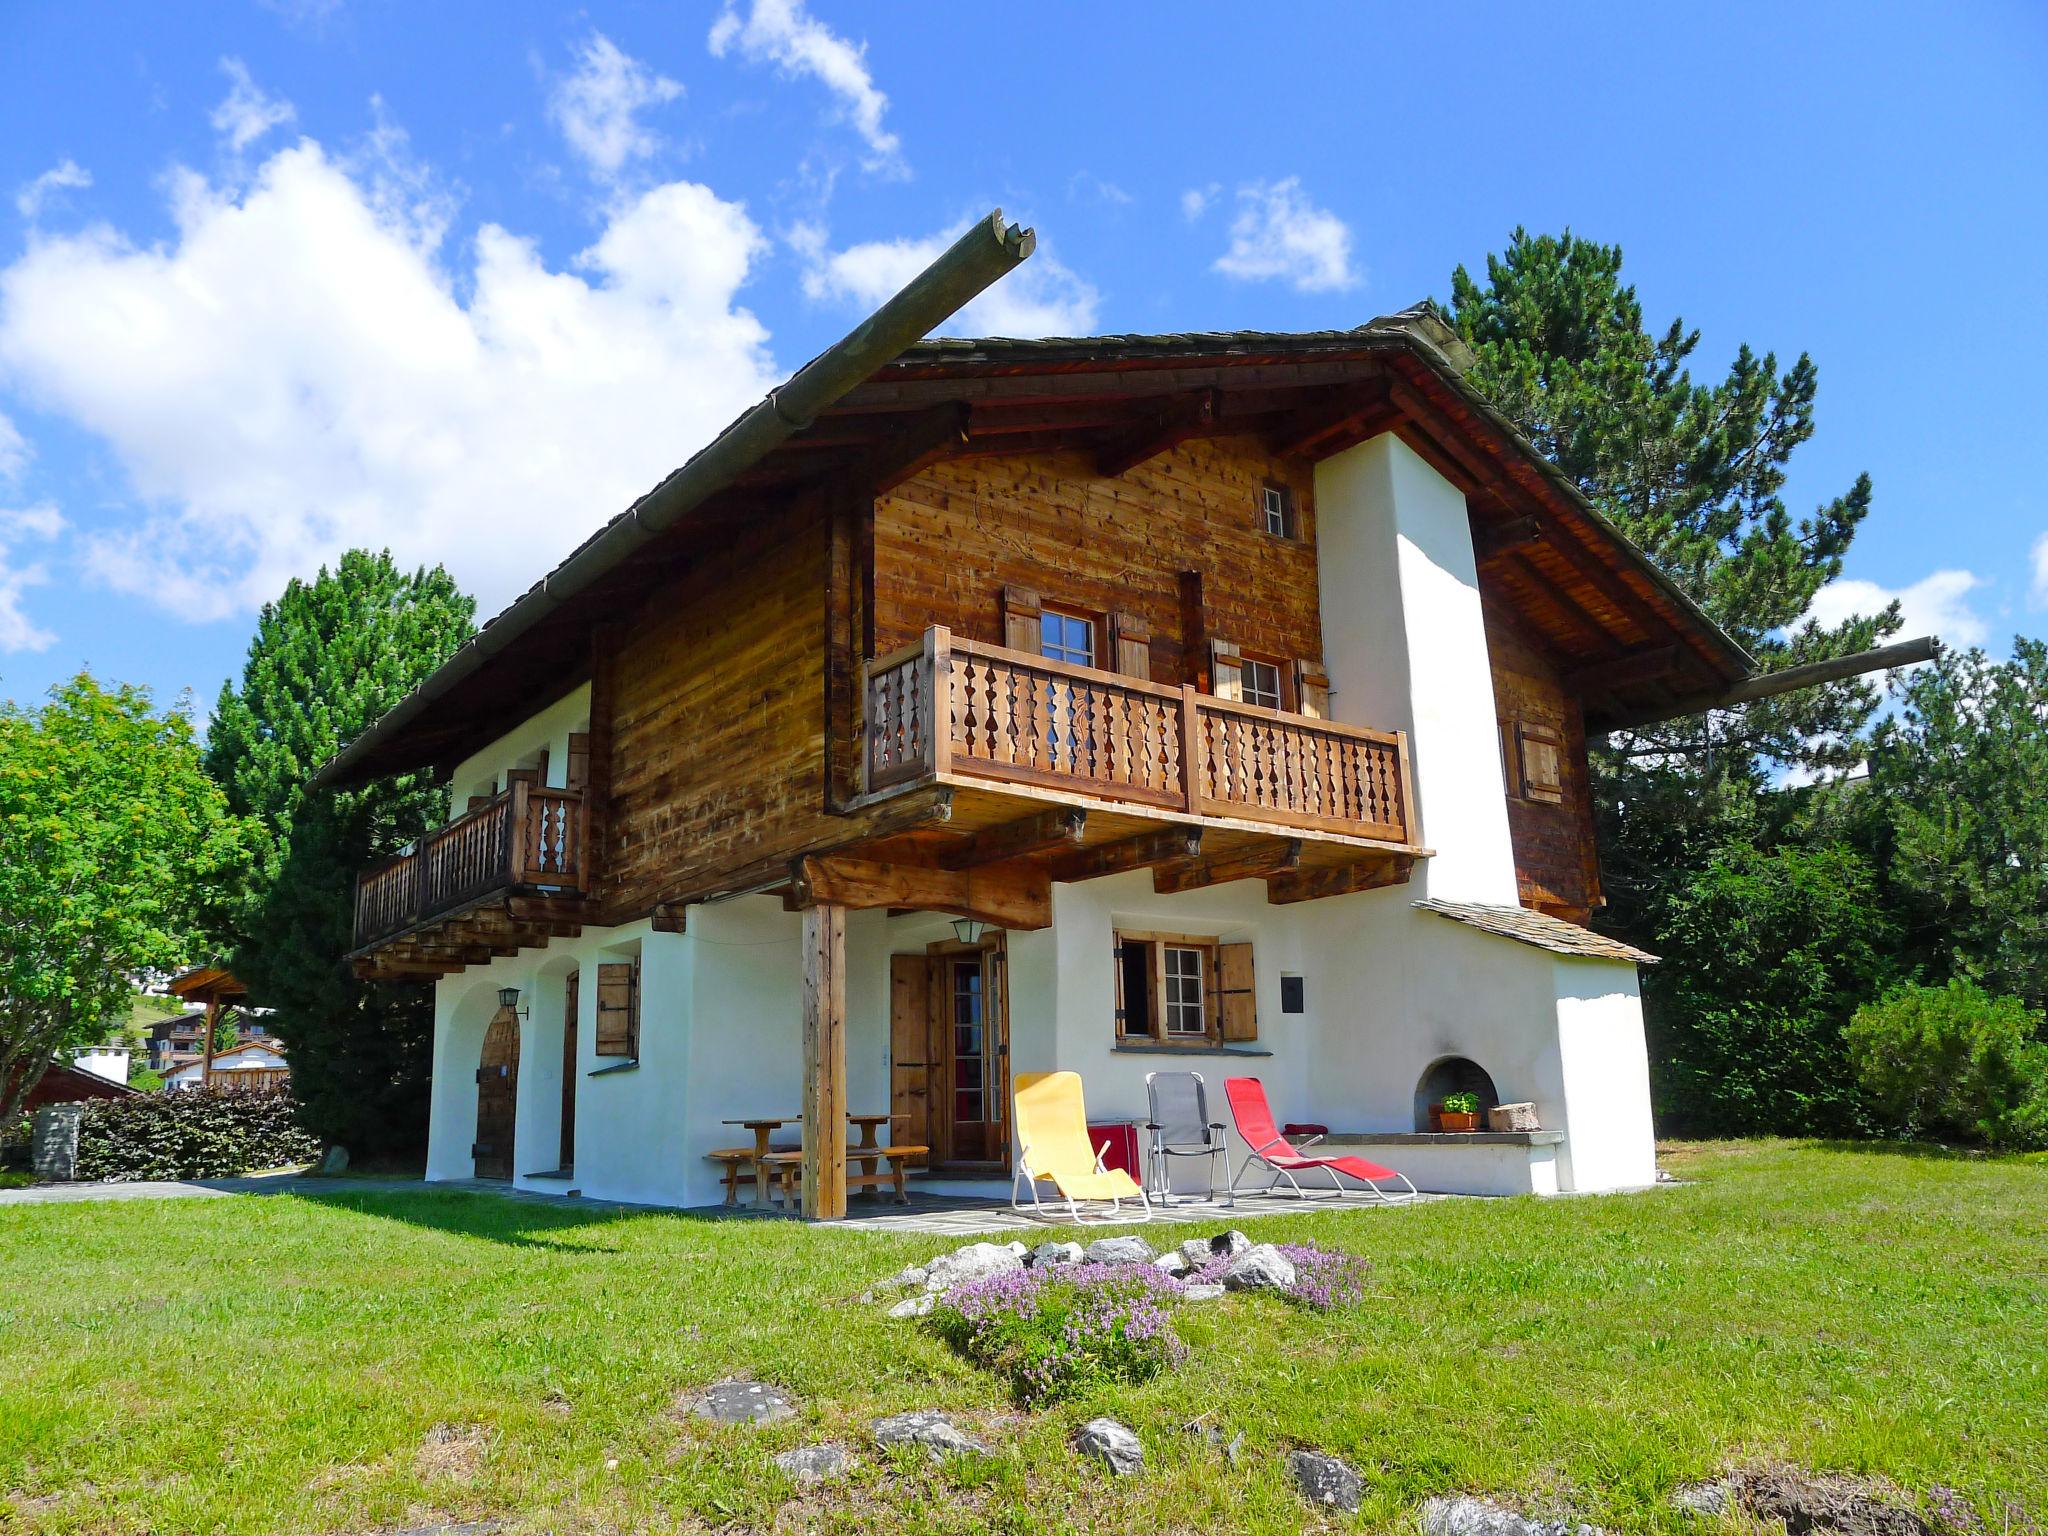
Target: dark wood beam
[670,919]
[1343,415]
[1627,670]
[1191,416]
[1576,617]
[1498,538]
[1170,845]
[917,444]
[1766,685]
[1014,895]
[1046,832]
[1263,858]
[1338,879]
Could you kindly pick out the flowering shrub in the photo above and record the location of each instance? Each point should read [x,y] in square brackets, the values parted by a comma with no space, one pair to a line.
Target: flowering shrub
[1322,1279]
[1059,1332]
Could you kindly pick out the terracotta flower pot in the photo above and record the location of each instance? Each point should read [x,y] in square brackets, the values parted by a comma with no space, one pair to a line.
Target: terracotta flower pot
[1451,1120]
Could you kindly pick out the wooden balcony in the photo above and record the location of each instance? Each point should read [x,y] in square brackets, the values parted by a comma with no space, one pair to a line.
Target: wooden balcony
[956,711]
[528,839]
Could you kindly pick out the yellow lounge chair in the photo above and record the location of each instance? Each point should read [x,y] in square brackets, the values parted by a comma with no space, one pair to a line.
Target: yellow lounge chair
[1052,1140]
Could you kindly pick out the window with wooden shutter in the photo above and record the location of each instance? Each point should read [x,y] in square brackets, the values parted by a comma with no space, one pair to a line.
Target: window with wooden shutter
[1226,670]
[1132,643]
[1020,619]
[1237,1006]
[1312,689]
[1536,763]
[1259,683]
[618,1009]
[578,773]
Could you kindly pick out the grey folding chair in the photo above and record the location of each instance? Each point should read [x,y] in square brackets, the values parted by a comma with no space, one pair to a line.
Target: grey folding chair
[1181,1127]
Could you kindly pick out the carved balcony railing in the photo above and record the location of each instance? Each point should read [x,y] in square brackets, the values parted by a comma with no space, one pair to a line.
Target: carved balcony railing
[953,709]
[528,837]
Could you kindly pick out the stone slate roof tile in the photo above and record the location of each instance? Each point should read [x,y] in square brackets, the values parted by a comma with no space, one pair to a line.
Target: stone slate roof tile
[1540,929]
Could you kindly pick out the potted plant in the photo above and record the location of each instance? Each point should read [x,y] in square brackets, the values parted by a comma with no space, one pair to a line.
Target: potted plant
[1460,1112]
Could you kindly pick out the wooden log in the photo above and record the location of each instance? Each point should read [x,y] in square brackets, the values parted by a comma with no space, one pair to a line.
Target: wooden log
[1184,418]
[1014,895]
[1262,858]
[1048,831]
[1338,879]
[1494,539]
[824,1051]
[1169,846]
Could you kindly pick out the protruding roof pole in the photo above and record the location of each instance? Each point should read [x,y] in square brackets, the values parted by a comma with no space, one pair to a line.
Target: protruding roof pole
[1768,685]
[987,251]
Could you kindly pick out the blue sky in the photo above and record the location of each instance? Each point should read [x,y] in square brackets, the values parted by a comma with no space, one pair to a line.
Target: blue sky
[463,278]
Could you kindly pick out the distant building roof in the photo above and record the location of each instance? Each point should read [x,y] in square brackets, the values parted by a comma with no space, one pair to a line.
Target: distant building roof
[1536,928]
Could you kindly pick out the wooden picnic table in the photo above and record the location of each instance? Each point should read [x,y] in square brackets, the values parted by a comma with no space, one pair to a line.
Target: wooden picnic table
[866,1153]
[764,1128]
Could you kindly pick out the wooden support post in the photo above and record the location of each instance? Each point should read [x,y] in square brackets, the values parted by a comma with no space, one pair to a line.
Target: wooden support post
[212,1018]
[824,1100]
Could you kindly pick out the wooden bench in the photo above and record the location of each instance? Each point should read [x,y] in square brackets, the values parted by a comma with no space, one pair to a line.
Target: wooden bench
[737,1163]
[788,1168]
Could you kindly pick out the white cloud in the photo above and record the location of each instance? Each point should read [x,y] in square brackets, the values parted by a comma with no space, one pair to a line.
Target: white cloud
[298,370]
[1937,604]
[66,173]
[41,522]
[14,451]
[246,113]
[1197,201]
[2040,592]
[1088,184]
[783,33]
[1279,233]
[598,106]
[1041,298]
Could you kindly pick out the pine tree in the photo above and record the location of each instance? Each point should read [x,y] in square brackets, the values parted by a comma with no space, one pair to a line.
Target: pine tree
[329,657]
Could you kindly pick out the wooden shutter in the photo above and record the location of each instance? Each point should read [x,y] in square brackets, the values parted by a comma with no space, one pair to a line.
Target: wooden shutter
[1312,689]
[578,774]
[618,1008]
[1542,763]
[1131,638]
[1020,619]
[910,1067]
[1237,1007]
[1226,670]
[527,776]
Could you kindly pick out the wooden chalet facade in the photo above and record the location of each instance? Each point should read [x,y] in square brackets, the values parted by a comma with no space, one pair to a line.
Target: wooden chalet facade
[1127,647]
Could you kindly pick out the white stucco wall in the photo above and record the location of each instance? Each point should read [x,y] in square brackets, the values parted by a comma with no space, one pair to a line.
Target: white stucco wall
[549,730]
[1405,642]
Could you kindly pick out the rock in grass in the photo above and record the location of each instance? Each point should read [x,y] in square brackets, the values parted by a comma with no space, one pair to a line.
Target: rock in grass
[1200,1292]
[1113,1444]
[815,1463]
[1231,1243]
[1713,1499]
[1174,1264]
[1326,1481]
[970,1263]
[1196,1251]
[1461,1515]
[915,1306]
[926,1427]
[1119,1250]
[740,1402]
[336,1160]
[1259,1268]
[1047,1255]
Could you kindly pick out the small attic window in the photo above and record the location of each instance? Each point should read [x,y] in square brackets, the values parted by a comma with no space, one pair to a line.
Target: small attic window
[1276,506]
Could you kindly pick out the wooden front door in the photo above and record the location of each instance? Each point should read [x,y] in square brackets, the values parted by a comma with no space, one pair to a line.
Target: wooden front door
[949,1053]
[497,1097]
[571,988]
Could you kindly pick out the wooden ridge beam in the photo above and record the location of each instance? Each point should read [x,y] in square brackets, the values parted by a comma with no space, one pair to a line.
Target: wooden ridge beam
[1262,858]
[1190,416]
[1046,832]
[1014,895]
[1338,879]
[1172,845]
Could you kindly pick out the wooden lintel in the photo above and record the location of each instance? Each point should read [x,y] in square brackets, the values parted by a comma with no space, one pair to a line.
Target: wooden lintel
[1338,879]
[1627,670]
[824,1063]
[1148,849]
[1188,417]
[1264,858]
[1013,895]
[1331,419]
[1498,538]
[1058,828]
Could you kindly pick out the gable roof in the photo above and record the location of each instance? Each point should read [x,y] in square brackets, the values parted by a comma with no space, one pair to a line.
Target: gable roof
[1538,929]
[1600,600]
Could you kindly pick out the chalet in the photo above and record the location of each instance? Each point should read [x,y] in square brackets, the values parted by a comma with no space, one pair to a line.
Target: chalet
[972,708]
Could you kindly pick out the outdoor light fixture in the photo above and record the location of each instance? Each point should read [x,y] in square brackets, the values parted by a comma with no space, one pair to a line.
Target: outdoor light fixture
[969,929]
[508,999]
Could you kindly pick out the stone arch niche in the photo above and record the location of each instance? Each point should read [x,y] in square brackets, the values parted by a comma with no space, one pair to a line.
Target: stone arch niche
[1452,1074]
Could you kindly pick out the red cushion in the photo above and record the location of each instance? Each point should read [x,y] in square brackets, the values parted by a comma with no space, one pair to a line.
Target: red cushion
[1295,1128]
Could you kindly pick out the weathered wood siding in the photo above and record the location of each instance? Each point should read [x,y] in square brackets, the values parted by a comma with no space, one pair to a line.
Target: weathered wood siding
[947,541]
[1557,868]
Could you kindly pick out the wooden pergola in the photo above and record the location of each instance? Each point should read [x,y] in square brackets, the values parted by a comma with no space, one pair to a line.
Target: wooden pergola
[212,986]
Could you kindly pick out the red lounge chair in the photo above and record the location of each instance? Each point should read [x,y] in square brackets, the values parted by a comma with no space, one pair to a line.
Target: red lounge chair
[1247,1096]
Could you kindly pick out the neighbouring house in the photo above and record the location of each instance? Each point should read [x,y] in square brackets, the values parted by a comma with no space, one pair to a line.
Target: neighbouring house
[68,1083]
[181,1038]
[1234,689]
[108,1060]
[251,1066]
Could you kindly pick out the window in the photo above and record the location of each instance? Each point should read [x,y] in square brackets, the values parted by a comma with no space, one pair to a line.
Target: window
[1261,684]
[1066,637]
[618,1009]
[1276,506]
[1533,757]
[970,1082]
[1185,965]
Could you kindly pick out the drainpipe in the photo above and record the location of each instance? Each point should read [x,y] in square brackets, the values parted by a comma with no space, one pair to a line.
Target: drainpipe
[988,251]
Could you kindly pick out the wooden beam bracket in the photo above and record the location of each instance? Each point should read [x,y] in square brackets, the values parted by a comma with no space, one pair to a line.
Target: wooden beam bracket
[1263,858]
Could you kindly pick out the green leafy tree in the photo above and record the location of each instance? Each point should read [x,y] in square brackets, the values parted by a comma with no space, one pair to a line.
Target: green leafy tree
[329,657]
[1954,1061]
[1956,813]
[111,838]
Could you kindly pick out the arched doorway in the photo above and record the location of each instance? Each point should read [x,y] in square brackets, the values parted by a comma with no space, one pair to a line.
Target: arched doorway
[497,1097]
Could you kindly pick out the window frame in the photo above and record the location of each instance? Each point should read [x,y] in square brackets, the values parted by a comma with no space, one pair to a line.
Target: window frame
[1066,615]
[1152,1030]
[1246,674]
[1274,496]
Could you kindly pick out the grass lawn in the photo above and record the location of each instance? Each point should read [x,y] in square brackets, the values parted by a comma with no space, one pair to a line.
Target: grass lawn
[373,1360]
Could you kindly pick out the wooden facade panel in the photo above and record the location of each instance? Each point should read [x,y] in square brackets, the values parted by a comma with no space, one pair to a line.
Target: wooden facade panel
[948,541]
[1557,868]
